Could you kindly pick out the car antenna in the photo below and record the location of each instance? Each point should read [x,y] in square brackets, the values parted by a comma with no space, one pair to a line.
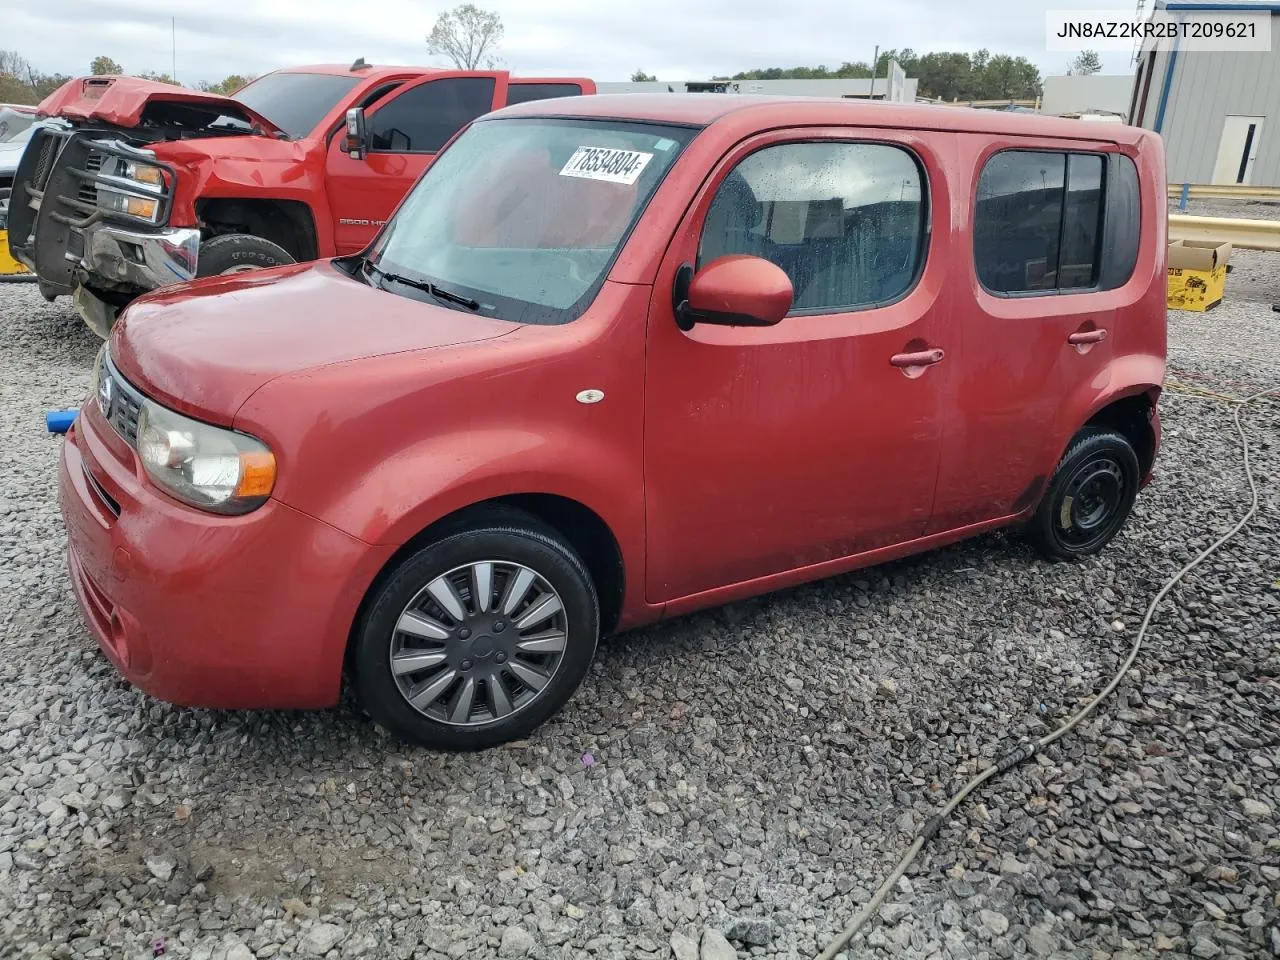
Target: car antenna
[358,65]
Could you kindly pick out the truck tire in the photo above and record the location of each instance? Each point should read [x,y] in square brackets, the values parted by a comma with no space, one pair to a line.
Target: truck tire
[238,252]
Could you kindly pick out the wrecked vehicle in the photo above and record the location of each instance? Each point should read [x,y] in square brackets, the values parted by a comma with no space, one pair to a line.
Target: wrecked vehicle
[16,130]
[153,184]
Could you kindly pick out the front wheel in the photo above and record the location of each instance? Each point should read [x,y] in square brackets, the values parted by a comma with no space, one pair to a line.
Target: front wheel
[238,253]
[1090,496]
[477,639]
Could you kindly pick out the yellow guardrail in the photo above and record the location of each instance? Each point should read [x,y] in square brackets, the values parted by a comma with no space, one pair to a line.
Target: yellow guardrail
[9,267]
[1243,234]
[1223,191]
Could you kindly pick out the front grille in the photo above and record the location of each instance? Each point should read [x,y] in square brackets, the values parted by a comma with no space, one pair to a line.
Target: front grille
[44,164]
[88,192]
[120,402]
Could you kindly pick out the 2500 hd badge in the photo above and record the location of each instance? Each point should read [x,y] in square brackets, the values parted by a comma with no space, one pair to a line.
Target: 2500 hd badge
[352,222]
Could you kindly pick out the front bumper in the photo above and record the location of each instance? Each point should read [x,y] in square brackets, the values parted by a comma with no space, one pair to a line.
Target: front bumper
[134,258]
[137,258]
[248,612]
[63,234]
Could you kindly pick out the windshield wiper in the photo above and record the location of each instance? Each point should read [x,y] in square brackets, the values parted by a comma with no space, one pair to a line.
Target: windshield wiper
[441,293]
[434,289]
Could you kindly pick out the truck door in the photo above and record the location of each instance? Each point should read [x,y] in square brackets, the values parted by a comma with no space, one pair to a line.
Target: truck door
[406,131]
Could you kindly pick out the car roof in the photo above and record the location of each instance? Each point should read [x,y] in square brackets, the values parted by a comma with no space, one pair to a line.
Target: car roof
[764,112]
[364,73]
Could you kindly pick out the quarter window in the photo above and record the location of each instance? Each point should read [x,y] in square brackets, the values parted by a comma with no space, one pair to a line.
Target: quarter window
[1038,223]
[526,92]
[423,119]
[846,221]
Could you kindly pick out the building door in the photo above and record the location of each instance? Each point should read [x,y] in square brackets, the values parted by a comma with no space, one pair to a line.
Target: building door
[1237,149]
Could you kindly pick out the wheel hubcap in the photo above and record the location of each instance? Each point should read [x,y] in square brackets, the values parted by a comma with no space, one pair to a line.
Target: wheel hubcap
[479,643]
[238,269]
[1091,502]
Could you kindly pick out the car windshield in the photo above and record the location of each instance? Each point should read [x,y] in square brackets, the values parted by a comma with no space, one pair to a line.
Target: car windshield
[295,102]
[14,122]
[525,217]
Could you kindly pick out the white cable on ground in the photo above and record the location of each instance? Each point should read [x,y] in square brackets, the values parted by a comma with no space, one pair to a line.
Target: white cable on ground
[1028,750]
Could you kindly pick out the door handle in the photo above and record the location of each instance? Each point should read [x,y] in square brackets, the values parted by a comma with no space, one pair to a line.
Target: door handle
[1087,336]
[921,358]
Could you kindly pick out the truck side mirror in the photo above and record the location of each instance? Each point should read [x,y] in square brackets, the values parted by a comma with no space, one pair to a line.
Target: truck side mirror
[356,143]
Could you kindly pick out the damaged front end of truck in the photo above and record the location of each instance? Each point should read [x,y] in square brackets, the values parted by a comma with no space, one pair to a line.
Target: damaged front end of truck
[92,210]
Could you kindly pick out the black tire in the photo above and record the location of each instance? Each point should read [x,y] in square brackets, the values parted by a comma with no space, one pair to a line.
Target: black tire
[512,541]
[239,251]
[1090,496]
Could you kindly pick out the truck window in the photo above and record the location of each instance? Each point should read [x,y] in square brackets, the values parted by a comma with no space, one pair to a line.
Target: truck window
[423,119]
[525,92]
[295,102]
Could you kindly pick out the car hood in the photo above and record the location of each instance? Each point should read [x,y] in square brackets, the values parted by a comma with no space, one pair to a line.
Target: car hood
[204,347]
[123,101]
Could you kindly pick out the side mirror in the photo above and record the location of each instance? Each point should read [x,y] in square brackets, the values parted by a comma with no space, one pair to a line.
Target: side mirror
[356,143]
[734,291]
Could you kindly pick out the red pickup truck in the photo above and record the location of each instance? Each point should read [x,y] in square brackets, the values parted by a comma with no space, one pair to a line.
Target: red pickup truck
[154,184]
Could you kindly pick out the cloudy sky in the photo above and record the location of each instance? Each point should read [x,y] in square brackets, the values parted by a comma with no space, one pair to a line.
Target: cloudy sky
[675,39]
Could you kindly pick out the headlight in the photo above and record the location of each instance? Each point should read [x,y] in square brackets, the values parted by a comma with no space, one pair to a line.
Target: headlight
[202,465]
[144,208]
[141,172]
[95,379]
[131,187]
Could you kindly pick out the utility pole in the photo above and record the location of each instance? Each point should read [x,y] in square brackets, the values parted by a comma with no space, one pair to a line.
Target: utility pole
[875,62]
[173,48]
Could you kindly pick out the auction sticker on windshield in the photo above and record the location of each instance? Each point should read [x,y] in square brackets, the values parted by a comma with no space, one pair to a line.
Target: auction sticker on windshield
[606,163]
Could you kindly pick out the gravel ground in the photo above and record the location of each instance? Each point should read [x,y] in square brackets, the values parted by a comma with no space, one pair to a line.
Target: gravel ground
[753,772]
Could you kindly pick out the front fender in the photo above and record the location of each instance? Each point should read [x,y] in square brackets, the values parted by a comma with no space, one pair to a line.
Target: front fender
[400,497]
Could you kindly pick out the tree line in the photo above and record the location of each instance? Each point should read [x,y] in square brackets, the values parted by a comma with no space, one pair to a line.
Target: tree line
[944,75]
[20,82]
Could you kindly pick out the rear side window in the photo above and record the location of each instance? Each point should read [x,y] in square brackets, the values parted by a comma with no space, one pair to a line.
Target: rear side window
[525,92]
[1047,222]
[422,119]
[846,221]
[1123,223]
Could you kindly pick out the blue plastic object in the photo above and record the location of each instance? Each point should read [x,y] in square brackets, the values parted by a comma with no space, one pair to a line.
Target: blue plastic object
[59,421]
[1182,203]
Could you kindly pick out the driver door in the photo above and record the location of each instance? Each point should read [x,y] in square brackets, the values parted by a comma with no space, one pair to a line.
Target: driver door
[406,130]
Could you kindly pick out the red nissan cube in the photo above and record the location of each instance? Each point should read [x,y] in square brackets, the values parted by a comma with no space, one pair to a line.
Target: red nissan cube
[615,359]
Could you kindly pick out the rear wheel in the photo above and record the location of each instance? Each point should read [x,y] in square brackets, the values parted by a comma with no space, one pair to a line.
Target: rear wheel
[478,638]
[239,253]
[1090,496]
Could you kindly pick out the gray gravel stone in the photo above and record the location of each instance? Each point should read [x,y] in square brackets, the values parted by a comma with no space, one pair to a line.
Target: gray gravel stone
[682,947]
[516,942]
[716,947]
[1255,809]
[753,931]
[161,867]
[994,923]
[321,938]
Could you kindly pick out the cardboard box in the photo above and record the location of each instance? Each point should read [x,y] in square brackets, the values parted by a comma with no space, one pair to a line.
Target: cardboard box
[1197,274]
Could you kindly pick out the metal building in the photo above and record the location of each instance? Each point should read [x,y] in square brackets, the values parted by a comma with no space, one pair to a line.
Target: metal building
[1087,93]
[1213,109]
[899,87]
